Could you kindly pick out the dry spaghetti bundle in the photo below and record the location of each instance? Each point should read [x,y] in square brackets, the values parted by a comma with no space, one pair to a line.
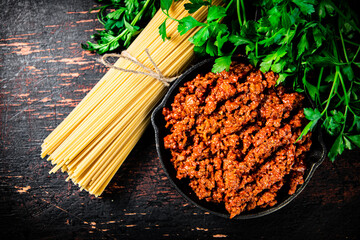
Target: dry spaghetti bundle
[96,137]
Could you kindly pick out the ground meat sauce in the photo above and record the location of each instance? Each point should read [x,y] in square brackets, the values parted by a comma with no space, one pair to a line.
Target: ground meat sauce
[233,136]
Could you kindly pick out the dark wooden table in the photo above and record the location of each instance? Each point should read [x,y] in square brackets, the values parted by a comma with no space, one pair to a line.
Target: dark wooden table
[44,73]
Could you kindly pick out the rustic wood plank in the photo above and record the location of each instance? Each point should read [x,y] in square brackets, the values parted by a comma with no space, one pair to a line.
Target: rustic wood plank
[44,73]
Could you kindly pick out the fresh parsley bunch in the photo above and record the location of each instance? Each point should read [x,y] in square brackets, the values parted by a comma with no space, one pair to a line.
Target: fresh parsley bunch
[122,24]
[313,46]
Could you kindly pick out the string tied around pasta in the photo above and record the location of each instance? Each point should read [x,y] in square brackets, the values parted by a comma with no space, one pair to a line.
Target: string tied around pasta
[149,72]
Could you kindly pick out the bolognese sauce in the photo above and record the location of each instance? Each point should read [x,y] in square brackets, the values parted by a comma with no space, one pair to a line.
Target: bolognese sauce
[233,135]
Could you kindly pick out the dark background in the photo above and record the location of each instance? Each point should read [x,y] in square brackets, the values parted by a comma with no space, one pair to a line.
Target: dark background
[44,73]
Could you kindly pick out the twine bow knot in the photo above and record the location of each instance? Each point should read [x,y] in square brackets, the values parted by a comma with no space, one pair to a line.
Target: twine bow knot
[149,72]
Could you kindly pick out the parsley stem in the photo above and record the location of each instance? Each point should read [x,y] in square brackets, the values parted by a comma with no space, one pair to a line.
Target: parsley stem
[346,97]
[168,15]
[319,84]
[357,52]
[138,16]
[243,11]
[242,8]
[238,12]
[331,93]
[335,83]
[352,43]
[345,116]
[229,4]
[343,46]
[100,14]
[227,7]
[256,49]
[133,22]
[320,77]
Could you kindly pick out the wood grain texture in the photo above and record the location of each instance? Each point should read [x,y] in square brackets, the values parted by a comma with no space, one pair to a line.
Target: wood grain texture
[44,73]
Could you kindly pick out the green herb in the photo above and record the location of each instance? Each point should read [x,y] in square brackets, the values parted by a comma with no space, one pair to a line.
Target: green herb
[122,24]
[312,45]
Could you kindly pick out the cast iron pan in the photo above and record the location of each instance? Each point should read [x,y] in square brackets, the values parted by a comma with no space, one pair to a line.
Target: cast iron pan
[314,158]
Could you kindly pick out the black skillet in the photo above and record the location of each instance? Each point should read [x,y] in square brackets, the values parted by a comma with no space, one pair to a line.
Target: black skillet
[314,158]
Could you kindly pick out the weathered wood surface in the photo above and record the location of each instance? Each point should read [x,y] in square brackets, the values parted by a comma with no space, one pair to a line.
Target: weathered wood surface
[44,73]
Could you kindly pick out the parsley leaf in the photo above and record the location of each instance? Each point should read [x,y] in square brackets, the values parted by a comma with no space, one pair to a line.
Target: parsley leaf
[355,139]
[194,5]
[312,45]
[166,4]
[187,23]
[201,36]
[216,12]
[337,148]
[306,6]
[221,64]
[122,20]
[162,30]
